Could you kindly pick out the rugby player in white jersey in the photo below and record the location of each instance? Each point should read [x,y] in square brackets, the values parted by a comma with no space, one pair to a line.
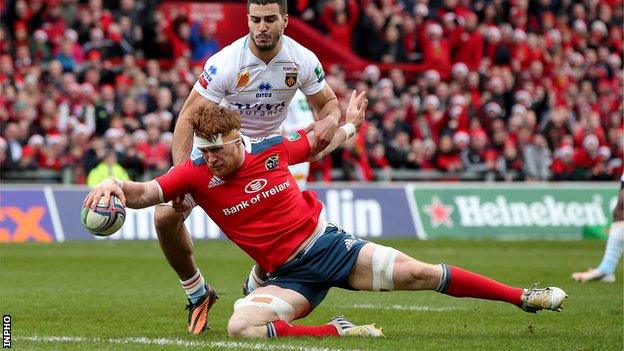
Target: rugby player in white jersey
[299,117]
[257,76]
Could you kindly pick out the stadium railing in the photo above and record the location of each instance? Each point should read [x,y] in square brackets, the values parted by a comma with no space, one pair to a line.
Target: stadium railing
[66,176]
[46,176]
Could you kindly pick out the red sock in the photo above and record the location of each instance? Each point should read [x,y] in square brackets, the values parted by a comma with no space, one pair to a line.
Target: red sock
[463,283]
[281,329]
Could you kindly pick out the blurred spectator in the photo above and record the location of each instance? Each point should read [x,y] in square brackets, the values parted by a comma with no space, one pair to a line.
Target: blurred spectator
[563,164]
[447,158]
[469,49]
[378,161]
[339,18]
[12,136]
[178,31]
[477,157]
[154,152]
[588,159]
[3,153]
[104,109]
[369,33]
[203,43]
[355,164]
[537,159]
[436,50]
[94,154]
[32,153]
[54,157]
[393,48]
[398,149]
[106,169]
[40,47]
[510,163]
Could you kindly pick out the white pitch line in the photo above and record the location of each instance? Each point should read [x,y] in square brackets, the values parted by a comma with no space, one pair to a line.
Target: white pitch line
[236,345]
[404,307]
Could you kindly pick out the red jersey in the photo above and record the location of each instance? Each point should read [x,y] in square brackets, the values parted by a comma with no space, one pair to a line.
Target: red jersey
[259,206]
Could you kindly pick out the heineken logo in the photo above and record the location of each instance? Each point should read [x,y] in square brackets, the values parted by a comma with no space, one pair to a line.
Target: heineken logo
[544,211]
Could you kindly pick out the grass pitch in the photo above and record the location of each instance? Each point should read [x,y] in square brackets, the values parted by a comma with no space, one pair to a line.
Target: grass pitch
[117,295]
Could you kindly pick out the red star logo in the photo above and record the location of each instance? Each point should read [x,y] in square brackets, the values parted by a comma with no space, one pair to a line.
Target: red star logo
[439,213]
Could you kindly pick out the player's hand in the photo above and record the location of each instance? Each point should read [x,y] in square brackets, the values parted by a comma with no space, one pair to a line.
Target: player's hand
[104,189]
[323,132]
[181,204]
[356,110]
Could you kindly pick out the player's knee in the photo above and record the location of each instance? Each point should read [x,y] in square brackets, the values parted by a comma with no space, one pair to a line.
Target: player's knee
[236,327]
[383,268]
[240,328]
[166,219]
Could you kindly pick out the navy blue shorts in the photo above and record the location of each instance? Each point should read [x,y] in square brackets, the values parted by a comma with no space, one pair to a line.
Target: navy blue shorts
[325,265]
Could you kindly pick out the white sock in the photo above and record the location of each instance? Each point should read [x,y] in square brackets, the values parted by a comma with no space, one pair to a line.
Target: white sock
[613,251]
[195,287]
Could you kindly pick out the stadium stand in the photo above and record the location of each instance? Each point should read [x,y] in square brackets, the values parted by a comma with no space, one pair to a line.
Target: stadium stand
[458,90]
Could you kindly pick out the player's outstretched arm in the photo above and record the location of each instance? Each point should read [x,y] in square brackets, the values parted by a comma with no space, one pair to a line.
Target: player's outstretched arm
[132,194]
[356,111]
[183,131]
[327,115]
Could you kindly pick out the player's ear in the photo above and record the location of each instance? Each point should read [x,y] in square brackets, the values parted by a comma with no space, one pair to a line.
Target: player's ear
[285,22]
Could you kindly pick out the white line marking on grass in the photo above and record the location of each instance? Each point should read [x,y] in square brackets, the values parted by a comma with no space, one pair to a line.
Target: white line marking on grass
[404,307]
[236,345]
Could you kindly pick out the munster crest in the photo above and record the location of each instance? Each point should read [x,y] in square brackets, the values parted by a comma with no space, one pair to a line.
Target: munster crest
[272,162]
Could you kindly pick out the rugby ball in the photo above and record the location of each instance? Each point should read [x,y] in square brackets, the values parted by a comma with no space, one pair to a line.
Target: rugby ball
[106,219]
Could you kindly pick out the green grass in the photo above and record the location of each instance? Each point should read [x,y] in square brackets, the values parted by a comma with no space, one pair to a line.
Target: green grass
[106,295]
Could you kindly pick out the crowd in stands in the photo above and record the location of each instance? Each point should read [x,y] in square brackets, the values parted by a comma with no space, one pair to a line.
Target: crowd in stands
[513,89]
[510,90]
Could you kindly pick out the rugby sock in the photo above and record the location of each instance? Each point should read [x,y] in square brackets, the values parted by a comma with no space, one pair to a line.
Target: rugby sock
[458,282]
[195,287]
[282,328]
[613,251]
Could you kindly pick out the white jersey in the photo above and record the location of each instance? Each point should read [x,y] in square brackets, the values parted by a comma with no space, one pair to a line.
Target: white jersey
[299,117]
[299,114]
[235,78]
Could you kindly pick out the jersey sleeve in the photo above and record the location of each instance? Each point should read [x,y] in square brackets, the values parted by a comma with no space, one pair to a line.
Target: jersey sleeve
[216,77]
[313,76]
[178,181]
[298,147]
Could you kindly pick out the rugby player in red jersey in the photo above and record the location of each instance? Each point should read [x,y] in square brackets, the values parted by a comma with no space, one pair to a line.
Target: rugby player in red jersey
[246,188]
[257,76]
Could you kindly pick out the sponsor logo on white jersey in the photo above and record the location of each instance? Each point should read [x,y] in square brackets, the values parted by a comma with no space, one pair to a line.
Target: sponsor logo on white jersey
[264,90]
